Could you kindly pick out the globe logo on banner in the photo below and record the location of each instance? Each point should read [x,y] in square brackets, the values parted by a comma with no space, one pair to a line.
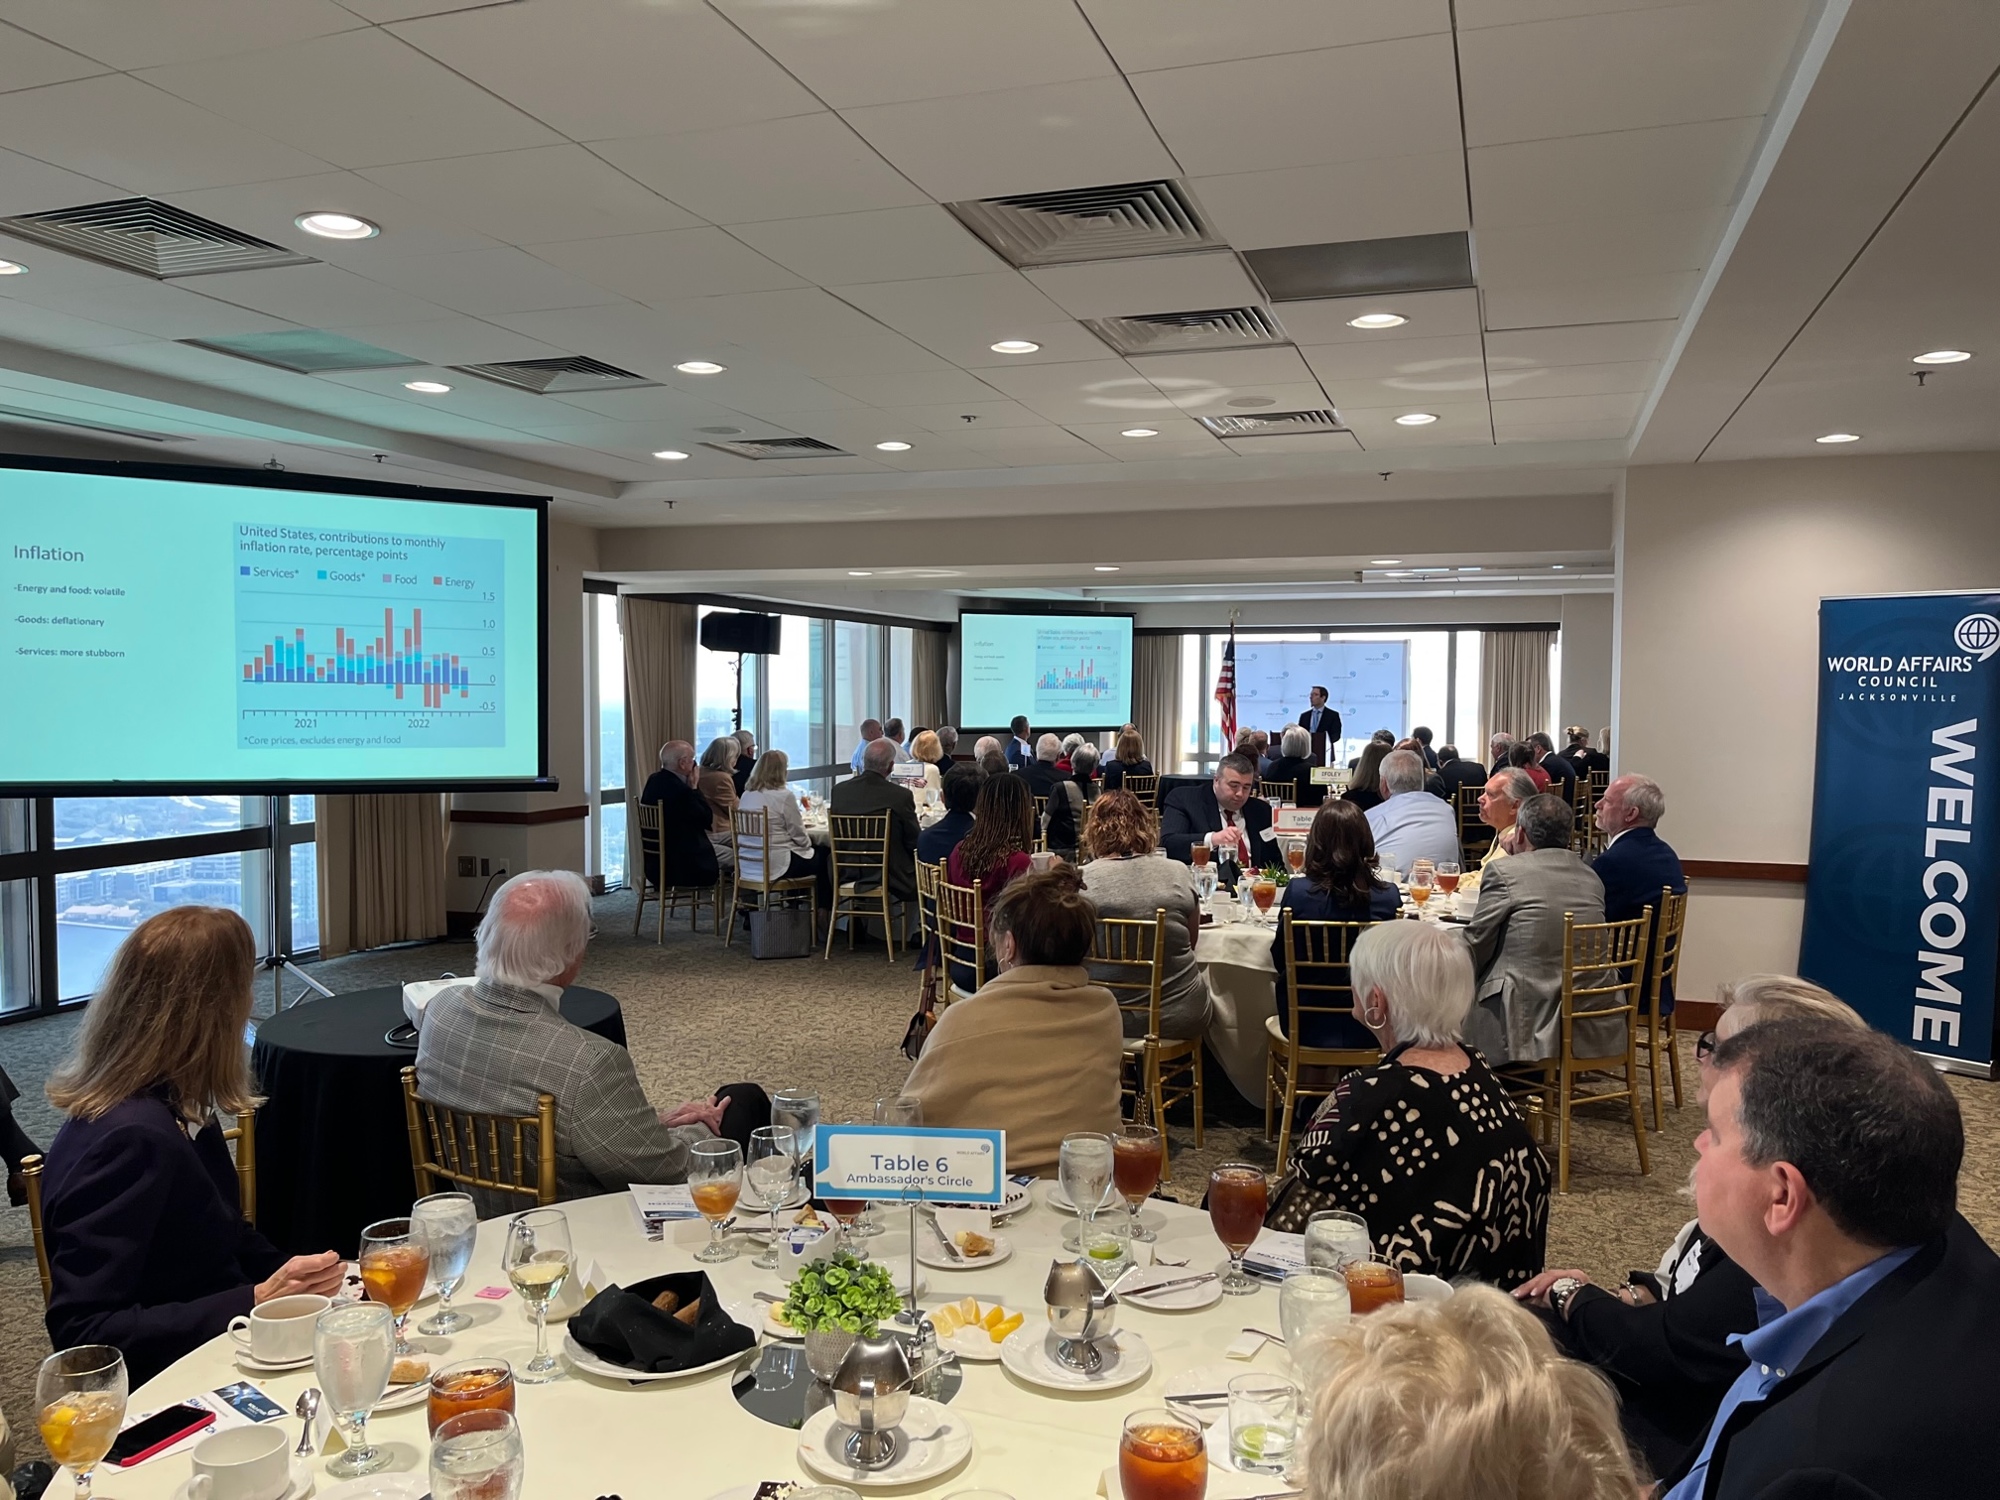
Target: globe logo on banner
[1979,634]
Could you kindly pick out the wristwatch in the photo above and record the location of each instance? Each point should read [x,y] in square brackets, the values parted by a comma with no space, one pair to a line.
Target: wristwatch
[1563,1289]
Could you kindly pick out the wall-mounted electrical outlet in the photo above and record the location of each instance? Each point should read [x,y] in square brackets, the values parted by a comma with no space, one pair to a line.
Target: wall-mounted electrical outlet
[501,868]
[468,865]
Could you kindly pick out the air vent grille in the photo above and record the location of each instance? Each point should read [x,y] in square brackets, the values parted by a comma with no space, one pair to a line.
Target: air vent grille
[306,351]
[547,377]
[1273,423]
[780,448]
[1167,333]
[1101,223]
[151,239]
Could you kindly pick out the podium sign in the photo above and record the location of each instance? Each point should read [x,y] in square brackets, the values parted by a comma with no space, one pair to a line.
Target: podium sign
[895,1162]
[1903,892]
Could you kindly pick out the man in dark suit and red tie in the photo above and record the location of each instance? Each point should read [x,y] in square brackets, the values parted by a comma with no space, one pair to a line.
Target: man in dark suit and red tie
[1323,724]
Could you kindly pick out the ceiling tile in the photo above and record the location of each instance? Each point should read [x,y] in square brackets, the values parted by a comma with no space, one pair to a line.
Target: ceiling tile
[1604,343]
[893,50]
[1445,377]
[985,308]
[482,282]
[358,99]
[812,329]
[30,324]
[642,339]
[165,310]
[1384,198]
[1018,140]
[1204,398]
[913,388]
[538,196]
[28,186]
[1476,13]
[889,244]
[1511,381]
[1430,315]
[1664,65]
[1099,390]
[1061,343]
[1667,169]
[1601,430]
[318,296]
[1414,358]
[602,69]
[453,341]
[1458,424]
[1587,249]
[28,62]
[120,131]
[1621,406]
[410,227]
[674,412]
[950,418]
[675,264]
[770,169]
[124,35]
[1624,299]
[1225,367]
[1294,442]
[404,10]
[1150,284]
[1144,35]
[1396,98]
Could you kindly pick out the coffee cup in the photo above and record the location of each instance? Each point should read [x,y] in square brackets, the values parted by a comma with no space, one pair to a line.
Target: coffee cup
[280,1331]
[244,1463]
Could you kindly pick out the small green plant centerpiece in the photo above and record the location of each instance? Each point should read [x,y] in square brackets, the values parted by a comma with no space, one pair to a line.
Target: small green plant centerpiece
[834,1302]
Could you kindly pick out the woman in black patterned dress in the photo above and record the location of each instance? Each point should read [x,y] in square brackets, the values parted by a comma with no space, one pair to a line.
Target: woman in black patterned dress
[1426,1146]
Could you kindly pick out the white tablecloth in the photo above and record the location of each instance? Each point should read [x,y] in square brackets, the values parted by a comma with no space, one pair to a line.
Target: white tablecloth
[1243,982]
[689,1440]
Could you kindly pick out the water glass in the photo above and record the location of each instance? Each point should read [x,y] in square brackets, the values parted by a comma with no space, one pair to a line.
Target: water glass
[1334,1237]
[537,1259]
[771,1170]
[449,1224]
[354,1348]
[79,1407]
[1311,1301]
[395,1263]
[798,1108]
[477,1456]
[1263,1422]
[1084,1165]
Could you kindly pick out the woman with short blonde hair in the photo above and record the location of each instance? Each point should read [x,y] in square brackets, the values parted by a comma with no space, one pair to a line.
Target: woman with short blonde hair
[148,1250]
[793,853]
[928,750]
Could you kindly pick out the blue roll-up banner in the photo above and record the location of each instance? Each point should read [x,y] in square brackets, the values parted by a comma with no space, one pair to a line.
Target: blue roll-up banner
[1904,888]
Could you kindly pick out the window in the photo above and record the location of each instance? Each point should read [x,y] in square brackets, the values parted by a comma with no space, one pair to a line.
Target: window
[901,650]
[17,946]
[857,684]
[605,728]
[1466,730]
[715,687]
[794,695]
[97,909]
[115,820]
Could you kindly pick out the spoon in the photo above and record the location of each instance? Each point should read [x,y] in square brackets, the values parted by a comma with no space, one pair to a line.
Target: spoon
[306,1410]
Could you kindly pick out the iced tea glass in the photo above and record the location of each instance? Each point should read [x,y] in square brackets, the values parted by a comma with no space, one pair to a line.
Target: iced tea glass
[715,1179]
[1161,1456]
[1198,854]
[1372,1283]
[470,1385]
[1263,891]
[395,1263]
[1135,1171]
[1447,877]
[1238,1195]
[79,1405]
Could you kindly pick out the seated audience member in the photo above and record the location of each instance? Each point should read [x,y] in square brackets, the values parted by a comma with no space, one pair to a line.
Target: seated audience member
[1225,813]
[871,731]
[928,751]
[1083,773]
[1069,743]
[1293,765]
[988,759]
[1499,808]
[1829,1173]
[1020,751]
[1038,1051]
[872,792]
[1045,781]
[492,1046]
[1433,783]
[960,792]
[1128,754]
[687,853]
[948,743]
[1364,780]
[1501,747]
[1410,823]
[1636,863]
[716,782]
[147,1246]
[793,853]
[15,1146]
[1256,744]
[1476,1202]
[1456,772]
[1526,756]
[1422,735]
[746,758]
[1664,1339]
[892,731]
[1561,774]
[1580,754]
[1462,1399]
[1123,880]
[997,852]
[1338,884]
[1516,937]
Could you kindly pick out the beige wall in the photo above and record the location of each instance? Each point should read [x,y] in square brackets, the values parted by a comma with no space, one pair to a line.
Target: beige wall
[1584,694]
[1721,570]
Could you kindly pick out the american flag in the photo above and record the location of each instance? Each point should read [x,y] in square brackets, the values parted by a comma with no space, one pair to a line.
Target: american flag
[1225,692]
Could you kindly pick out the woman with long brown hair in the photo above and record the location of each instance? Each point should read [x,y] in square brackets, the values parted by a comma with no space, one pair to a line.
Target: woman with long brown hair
[1338,885]
[147,1246]
[996,851]
[1123,879]
[1364,782]
[1128,756]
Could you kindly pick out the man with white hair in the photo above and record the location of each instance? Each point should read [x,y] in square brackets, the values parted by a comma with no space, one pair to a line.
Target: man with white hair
[1045,780]
[1500,745]
[1293,764]
[495,1044]
[948,743]
[871,731]
[872,792]
[1499,805]
[1637,864]
[746,758]
[987,756]
[1409,823]
[687,856]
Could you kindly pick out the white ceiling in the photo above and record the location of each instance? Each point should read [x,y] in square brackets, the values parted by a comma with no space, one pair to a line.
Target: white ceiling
[758,182]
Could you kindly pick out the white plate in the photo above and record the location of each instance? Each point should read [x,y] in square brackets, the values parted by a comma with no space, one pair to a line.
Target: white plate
[1029,1352]
[590,1364]
[821,1438]
[1016,1197]
[399,1396]
[1417,1287]
[773,1329]
[300,1487]
[247,1361]
[1176,1299]
[381,1487]
[1208,1379]
[1057,1199]
[929,1254]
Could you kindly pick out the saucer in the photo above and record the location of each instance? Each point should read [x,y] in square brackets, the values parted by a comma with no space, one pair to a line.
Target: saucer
[383,1486]
[248,1361]
[1057,1199]
[301,1484]
[1029,1352]
[935,1440]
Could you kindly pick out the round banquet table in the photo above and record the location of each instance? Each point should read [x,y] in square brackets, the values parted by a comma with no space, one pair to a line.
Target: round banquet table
[689,1439]
[333,1148]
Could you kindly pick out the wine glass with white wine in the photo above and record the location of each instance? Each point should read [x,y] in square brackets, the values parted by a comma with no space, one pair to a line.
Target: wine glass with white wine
[537,1259]
[79,1405]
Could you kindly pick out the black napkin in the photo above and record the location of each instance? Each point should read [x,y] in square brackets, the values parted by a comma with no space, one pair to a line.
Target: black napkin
[620,1324]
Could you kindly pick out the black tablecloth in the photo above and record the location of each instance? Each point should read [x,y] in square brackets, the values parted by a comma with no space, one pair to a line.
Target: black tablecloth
[333,1147]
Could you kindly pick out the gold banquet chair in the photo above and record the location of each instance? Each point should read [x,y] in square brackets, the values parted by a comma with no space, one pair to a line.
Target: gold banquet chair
[1145,788]
[1657,1032]
[861,877]
[474,1151]
[668,899]
[1168,1070]
[1317,983]
[961,935]
[753,828]
[1474,837]
[1276,792]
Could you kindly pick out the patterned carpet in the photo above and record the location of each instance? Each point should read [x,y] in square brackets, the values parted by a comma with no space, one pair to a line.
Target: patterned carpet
[699,1016]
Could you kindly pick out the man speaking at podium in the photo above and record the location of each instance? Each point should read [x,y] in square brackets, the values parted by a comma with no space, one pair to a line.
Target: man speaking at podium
[1323,724]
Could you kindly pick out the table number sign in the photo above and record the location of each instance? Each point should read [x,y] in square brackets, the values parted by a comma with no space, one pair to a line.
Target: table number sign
[895,1162]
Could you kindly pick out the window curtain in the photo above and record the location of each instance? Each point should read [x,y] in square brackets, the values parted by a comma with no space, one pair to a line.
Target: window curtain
[1156,700]
[659,695]
[381,869]
[1514,682]
[927,677]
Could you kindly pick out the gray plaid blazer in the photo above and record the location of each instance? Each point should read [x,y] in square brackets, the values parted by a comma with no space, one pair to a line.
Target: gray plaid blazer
[1516,936]
[492,1048]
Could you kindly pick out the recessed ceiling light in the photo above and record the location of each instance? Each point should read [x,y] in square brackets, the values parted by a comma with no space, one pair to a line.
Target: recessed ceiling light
[1378,320]
[1386,562]
[1140,432]
[671,455]
[1839,437]
[1416,419]
[329,226]
[12,268]
[1107,568]
[1942,357]
[860,573]
[700,367]
[1015,346]
[426,387]
[893,447]
[1472,570]
[1557,566]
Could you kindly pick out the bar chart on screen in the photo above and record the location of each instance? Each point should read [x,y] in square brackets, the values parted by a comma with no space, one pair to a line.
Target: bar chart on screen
[401,647]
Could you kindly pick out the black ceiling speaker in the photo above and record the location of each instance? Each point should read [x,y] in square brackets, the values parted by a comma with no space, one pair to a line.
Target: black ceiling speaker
[753,635]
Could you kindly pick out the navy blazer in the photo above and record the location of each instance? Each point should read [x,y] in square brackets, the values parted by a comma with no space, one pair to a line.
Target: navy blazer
[147,1245]
[1309,902]
[1634,871]
[685,819]
[1190,813]
[935,843]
